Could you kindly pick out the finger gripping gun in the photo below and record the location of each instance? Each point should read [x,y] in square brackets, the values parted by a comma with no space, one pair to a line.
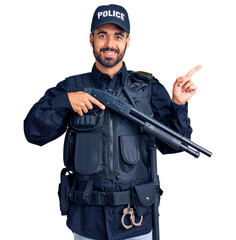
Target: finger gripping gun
[148,124]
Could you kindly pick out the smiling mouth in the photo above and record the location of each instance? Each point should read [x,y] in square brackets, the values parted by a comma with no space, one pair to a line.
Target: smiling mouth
[109,51]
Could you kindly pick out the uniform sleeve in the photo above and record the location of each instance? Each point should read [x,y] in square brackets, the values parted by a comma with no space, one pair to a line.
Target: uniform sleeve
[169,113]
[47,120]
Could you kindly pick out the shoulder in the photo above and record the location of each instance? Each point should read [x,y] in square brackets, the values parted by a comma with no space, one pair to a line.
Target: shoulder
[76,82]
[146,76]
[76,77]
[156,86]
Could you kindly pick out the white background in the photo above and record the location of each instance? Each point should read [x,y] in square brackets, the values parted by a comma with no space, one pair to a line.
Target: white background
[43,42]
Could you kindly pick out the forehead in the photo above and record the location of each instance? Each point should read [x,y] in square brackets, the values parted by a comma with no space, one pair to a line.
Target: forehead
[110,29]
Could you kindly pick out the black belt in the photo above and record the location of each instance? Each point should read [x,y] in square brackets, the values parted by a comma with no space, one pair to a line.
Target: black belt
[101,198]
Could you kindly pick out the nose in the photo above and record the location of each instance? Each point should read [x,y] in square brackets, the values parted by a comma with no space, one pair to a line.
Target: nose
[110,42]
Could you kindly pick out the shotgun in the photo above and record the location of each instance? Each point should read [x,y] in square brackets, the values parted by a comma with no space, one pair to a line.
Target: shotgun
[154,127]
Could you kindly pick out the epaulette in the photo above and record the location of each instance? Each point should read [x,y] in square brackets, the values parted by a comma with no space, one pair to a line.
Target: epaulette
[145,74]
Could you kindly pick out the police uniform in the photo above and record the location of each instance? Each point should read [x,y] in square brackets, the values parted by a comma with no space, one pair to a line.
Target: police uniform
[106,156]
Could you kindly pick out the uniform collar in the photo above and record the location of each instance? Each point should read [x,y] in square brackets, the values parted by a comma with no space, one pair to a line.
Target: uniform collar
[96,74]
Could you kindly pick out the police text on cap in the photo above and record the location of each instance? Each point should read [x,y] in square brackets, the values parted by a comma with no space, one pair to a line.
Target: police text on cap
[110,13]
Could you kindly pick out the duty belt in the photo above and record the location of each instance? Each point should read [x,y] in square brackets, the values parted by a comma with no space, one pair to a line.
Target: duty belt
[101,198]
[108,199]
[88,196]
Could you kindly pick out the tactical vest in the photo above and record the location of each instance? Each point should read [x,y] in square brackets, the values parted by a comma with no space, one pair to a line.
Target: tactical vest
[104,146]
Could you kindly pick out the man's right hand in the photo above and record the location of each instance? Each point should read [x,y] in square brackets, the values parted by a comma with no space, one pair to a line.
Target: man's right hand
[81,102]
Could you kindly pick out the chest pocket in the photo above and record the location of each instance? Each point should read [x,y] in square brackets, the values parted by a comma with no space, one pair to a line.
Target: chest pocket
[138,87]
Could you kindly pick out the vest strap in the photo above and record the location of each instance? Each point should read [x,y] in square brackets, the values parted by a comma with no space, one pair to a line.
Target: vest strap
[78,82]
[87,193]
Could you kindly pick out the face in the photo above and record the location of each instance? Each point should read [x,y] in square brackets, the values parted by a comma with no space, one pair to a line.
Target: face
[109,44]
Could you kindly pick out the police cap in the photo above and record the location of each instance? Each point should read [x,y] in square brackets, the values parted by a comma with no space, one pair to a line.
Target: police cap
[112,13]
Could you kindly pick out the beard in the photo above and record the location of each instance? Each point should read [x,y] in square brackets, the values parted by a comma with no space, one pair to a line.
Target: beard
[107,61]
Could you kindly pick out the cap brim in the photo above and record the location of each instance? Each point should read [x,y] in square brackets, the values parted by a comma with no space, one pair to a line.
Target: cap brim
[110,22]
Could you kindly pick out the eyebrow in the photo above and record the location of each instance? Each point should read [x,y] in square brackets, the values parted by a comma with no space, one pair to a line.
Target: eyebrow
[101,32]
[119,34]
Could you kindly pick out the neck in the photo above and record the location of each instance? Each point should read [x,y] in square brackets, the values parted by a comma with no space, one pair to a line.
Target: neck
[111,71]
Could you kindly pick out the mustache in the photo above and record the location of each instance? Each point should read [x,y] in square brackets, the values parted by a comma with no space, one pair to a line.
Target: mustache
[109,49]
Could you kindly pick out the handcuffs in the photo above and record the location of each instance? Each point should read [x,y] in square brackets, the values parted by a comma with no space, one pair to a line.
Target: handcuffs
[130,211]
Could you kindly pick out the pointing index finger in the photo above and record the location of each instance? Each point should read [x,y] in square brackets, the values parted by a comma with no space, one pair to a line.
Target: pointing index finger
[191,72]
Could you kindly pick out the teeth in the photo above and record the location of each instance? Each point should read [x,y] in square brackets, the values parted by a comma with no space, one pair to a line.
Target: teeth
[109,53]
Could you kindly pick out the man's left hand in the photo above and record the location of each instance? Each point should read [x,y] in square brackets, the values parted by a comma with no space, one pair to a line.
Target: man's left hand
[184,88]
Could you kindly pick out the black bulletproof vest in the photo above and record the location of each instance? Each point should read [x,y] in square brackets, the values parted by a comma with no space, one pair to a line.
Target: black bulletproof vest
[104,145]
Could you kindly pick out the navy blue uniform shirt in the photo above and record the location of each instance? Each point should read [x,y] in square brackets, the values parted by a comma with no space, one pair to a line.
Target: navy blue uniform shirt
[48,119]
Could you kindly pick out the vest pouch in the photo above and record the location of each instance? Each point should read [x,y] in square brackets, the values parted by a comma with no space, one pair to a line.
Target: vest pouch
[130,153]
[138,88]
[88,158]
[143,198]
[69,149]
[91,120]
[64,189]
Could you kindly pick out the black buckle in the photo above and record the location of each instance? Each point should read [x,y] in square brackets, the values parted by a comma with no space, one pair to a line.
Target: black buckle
[106,199]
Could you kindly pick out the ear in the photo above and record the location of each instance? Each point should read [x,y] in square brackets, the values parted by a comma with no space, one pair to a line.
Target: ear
[91,39]
[128,41]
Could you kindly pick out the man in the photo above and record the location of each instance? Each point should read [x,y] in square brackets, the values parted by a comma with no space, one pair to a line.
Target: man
[107,156]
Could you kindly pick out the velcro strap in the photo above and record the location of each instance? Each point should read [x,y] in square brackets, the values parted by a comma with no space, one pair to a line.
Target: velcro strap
[103,198]
[87,193]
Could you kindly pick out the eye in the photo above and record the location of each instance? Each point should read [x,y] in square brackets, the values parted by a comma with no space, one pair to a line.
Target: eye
[119,38]
[102,36]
